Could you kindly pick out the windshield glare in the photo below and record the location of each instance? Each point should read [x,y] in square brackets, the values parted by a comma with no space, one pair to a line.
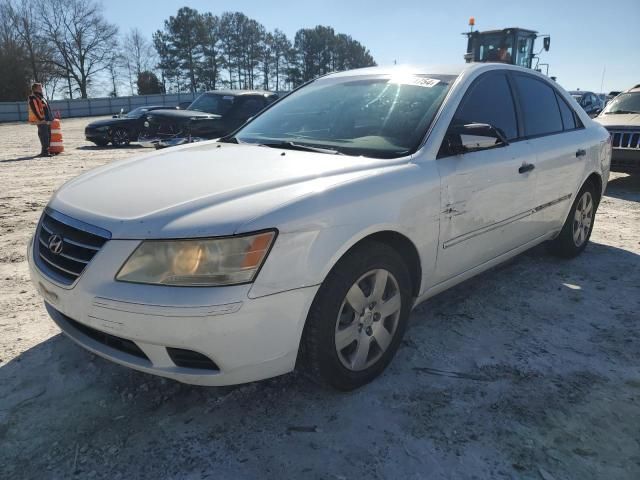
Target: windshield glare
[377,116]
[625,102]
[212,103]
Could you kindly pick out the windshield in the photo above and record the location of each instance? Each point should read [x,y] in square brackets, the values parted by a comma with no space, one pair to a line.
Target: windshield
[137,112]
[212,103]
[376,116]
[624,103]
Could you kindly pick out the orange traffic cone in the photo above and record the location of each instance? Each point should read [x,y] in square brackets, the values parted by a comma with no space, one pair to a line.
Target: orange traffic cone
[55,146]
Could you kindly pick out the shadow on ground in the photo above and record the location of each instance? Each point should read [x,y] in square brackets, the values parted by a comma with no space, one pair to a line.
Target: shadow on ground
[525,369]
[109,147]
[624,187]
[20,159]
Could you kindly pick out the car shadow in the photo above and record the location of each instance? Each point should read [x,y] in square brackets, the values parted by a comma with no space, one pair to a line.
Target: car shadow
[624,187]
[70,412]
[109,147]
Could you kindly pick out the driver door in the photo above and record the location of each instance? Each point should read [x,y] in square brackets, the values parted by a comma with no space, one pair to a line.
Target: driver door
[486,194]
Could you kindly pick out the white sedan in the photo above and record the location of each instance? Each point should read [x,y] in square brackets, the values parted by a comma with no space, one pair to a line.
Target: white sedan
[307,236]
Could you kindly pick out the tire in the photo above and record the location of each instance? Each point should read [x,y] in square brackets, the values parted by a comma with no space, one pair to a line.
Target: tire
[120,137]
[577,228]
[332,318]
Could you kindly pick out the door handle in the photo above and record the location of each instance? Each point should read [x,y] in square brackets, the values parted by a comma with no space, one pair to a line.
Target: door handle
[581,153]
[527,167]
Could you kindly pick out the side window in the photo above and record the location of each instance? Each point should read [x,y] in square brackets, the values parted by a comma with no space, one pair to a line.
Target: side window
[567,114]
[489,100]
[540,109]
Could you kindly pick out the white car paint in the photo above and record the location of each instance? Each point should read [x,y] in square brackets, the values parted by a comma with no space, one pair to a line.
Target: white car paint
[462,214]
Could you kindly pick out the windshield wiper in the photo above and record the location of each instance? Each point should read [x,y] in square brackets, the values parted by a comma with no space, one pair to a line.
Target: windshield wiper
[301,147]
[228,140]
[621,112]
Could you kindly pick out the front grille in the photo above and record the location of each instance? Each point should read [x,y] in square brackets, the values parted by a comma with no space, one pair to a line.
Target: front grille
[65,246]
[190,359]
[117,343]
[625,139]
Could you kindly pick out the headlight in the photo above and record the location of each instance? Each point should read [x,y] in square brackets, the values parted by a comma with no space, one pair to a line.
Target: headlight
[198,262]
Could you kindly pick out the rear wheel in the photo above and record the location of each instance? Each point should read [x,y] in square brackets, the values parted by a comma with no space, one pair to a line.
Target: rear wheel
[120,137]
[575,233]
[358,318]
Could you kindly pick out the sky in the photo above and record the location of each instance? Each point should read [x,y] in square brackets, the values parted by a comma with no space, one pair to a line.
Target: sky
[588,37]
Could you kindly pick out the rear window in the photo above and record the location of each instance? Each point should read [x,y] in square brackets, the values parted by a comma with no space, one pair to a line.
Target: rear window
[568,116]
[539,106]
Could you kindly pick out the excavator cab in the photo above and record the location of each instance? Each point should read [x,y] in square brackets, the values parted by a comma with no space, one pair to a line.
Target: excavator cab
[510,45]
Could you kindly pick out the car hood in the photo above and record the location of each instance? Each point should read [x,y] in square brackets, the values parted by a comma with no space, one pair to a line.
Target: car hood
[107,122]
[204,189]
[182,114]
[619,120]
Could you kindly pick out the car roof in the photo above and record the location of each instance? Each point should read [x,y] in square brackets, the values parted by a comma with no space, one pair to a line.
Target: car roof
[435,69]
[237,93]
[578,92]
[406,69]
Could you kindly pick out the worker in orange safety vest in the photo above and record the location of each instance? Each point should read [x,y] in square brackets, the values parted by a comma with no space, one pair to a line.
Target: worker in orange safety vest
[40,115]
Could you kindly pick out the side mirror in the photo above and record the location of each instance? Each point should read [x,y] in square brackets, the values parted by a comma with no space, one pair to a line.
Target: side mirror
[473,137]
[546,43]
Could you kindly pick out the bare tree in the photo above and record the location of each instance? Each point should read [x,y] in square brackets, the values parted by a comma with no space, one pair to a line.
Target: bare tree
[139,55]
[84,40]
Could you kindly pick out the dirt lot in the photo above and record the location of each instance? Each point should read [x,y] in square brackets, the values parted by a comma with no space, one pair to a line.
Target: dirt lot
[531,370]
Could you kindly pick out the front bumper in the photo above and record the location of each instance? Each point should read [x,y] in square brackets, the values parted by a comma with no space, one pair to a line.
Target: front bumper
[97,136]
[246,338]
[625,160]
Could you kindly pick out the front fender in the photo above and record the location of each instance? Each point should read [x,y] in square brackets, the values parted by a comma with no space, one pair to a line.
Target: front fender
[316,231]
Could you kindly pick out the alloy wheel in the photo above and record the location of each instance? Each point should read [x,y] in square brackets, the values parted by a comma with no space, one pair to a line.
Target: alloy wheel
[368,319]
[582,219]
[120,137]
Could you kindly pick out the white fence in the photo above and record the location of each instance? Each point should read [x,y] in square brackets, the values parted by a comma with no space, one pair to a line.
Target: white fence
[17,111]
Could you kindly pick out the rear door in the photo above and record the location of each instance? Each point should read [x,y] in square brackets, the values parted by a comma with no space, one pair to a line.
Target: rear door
[485,201]
[560,143]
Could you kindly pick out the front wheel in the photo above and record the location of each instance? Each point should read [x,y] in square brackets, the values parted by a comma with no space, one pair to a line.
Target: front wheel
[120,137]
[358,318]
[575,233]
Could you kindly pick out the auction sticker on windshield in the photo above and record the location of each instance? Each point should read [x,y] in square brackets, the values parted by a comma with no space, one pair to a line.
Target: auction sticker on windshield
[416,81]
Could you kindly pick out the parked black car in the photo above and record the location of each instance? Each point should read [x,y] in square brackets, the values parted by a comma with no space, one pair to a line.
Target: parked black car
[589,101]
[121,129]
[211,115]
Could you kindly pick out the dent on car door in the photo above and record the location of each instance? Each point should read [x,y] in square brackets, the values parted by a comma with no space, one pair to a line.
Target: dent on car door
[487,194]
[559,140]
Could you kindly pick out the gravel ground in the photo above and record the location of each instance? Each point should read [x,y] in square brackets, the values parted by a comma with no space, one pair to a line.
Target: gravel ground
[528,371]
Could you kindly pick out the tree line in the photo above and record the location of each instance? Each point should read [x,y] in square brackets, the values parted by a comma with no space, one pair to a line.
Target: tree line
[70,47]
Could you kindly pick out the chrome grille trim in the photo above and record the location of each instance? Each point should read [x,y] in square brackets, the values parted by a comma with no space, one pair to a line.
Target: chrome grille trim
[625,139]
[80,243]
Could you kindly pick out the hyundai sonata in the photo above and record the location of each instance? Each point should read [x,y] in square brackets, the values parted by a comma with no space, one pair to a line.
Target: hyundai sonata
[308,235]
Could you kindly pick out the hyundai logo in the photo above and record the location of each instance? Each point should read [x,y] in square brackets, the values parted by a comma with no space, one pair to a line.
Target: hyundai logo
[55,244]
